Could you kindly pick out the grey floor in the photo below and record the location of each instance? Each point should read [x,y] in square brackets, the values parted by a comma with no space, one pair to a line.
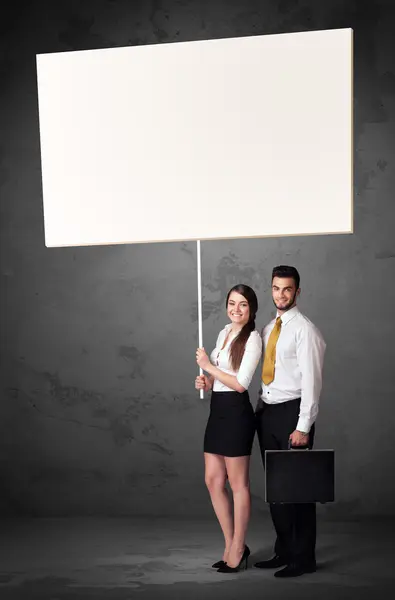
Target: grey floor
[123,558]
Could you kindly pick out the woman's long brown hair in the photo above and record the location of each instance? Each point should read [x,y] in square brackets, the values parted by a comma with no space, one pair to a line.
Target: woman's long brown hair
[238,345]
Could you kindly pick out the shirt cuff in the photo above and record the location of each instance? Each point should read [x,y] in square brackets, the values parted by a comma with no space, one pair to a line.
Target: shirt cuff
[304,425]
[244,381]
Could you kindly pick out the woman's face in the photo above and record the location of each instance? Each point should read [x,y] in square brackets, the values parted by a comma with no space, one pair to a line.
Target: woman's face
[238,309]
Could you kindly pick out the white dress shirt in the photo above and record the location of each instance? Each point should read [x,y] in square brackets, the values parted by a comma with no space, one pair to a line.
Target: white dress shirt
[300,351]
[220,358]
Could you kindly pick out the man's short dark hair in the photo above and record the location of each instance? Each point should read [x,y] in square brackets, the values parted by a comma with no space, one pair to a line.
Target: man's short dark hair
[286,271]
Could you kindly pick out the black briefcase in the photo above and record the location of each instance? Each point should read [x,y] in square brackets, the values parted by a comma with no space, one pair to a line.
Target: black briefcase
[299,475]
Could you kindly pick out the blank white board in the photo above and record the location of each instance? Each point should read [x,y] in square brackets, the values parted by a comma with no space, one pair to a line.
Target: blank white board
[229,138]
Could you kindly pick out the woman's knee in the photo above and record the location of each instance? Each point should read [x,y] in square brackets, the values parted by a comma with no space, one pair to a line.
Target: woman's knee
[215,482]
[239,485]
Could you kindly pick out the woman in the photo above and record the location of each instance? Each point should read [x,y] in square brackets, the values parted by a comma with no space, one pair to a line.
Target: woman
[231,426]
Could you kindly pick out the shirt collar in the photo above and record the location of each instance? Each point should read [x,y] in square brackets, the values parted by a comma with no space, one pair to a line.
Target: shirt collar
[290,314]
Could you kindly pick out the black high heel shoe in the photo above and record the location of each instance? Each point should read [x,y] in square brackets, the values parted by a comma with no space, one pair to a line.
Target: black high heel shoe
[243,563]
[219,564]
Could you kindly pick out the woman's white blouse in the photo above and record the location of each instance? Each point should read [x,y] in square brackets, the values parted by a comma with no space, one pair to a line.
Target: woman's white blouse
[221,359]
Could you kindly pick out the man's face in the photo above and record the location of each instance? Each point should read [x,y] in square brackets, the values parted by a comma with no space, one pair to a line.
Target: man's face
[284,293]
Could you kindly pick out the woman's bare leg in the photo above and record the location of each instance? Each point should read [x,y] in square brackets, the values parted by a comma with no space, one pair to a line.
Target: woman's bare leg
[238,474]
[215,477]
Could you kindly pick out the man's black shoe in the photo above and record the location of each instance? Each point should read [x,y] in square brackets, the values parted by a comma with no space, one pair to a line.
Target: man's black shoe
[273,563]
[295,570]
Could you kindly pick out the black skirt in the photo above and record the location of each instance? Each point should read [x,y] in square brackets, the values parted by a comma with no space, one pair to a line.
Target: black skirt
[231,425]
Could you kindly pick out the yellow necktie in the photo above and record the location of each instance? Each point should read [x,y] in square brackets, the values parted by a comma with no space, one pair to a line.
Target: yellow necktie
[270,353]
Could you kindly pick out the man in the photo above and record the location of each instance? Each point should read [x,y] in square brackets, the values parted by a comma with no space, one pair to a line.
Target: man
[286,411]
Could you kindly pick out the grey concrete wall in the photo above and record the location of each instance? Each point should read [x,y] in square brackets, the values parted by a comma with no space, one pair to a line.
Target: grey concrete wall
[98,412]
